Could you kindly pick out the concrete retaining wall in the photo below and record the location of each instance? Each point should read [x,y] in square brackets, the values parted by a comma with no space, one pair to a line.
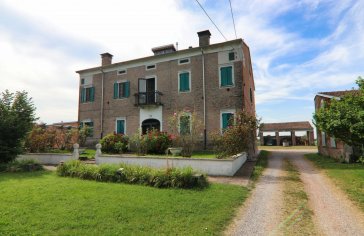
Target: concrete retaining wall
[47,158]
[216,167]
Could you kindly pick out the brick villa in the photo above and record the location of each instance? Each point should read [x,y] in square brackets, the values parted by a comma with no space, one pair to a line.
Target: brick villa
[215,80]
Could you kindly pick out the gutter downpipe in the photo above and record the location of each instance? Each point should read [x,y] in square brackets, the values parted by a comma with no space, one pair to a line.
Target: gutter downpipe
[204,100]
[102,104]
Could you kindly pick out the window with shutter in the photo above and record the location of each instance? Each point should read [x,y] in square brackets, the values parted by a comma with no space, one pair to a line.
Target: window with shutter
[120,126]
[121,89]
[184,82]
[226,76]
[227,120]
[87,94]
[185,124]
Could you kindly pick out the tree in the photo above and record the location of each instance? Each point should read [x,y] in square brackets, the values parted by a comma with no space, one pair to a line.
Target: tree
[344,118]
[17,116]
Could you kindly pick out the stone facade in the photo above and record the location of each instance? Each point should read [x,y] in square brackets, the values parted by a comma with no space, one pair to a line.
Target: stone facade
[104,110]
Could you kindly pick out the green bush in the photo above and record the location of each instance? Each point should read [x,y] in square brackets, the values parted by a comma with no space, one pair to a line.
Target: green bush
[160,178]
[156,142]
[114,143]
[22,166]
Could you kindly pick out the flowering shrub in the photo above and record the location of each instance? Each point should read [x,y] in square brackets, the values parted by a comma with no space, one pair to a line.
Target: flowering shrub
[238,137]
[114,143]
[42,138]
[155,142]
[186,129]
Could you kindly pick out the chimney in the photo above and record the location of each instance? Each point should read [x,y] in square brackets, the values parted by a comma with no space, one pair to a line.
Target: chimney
[106,59]
[204,38]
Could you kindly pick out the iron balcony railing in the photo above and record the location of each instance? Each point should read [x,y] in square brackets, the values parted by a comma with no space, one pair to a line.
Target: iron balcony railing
[148,98]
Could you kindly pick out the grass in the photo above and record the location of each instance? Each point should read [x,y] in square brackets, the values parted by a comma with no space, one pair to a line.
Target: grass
[89,153]
[296,212]
[287,148]
[41,203]
[261,164]
[348,177]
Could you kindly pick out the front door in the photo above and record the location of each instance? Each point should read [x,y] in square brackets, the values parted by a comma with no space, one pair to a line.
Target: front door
[150,124]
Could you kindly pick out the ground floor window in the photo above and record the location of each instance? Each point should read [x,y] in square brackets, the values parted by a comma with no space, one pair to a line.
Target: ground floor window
[120,126]
[185,124]
[89,124]
[332,142]
[323,139]
[226,119]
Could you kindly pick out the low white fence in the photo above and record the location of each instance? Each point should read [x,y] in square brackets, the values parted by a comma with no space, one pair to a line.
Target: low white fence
[51,158]
[214,167]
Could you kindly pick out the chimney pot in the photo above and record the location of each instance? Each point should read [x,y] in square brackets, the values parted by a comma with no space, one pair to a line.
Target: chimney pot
[106,59]
[204,38]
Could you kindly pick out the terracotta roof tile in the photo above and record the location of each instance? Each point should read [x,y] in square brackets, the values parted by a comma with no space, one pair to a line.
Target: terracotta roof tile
[339,93]
[287,126]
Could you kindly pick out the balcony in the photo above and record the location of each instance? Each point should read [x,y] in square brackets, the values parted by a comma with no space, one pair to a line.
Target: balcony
[148,98]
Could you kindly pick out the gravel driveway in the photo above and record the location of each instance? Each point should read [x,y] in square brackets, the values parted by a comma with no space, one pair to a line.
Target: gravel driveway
[334,214]
[261,213]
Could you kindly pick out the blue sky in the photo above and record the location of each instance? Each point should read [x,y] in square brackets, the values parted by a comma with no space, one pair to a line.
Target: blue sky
[298,47]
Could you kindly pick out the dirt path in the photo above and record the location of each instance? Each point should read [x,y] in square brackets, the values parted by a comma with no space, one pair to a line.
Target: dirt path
[334,214]
[261,213]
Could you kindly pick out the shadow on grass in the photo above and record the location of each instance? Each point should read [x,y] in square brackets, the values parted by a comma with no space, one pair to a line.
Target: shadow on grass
[4,176]
[326,162]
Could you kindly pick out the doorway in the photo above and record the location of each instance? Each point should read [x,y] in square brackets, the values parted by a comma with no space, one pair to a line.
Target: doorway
[149,124]
[147,91]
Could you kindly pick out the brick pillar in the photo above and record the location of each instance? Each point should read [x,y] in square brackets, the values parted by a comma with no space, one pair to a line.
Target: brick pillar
[261,138]
[311,138]
[278,139]
[293,135]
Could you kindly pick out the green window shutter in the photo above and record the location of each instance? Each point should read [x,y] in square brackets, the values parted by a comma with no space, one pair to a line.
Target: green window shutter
[92,94]
[184,82]
[116,92]
[83,95]
[127,89]
[120,127]
[223,76]
[226,75]
[229,74]
[227,120]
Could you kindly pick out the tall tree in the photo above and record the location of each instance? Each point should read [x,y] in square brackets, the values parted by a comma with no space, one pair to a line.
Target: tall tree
[17,115]
[344,118]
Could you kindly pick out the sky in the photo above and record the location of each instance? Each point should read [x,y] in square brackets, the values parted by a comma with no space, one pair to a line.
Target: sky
[298,48]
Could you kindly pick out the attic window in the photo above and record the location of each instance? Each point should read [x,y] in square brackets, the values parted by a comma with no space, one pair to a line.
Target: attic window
[231,56]
[184,61]
[151,67]
[82,81]
[121,72]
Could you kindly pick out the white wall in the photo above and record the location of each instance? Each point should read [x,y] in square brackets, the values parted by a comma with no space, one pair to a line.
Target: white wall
[47,158]
[216,167]
[151,113]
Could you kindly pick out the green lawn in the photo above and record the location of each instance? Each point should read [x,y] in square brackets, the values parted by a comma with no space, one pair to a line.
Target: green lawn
[42,203]
[349,177]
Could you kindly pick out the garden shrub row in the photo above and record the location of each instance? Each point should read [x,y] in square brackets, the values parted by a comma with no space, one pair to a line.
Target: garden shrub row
[122,173]
[21,166]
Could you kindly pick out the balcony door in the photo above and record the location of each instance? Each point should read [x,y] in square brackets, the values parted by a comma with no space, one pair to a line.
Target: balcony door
[146,91]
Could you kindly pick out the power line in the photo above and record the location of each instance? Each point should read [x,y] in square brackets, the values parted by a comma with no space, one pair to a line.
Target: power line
[232,16]
[211,20]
